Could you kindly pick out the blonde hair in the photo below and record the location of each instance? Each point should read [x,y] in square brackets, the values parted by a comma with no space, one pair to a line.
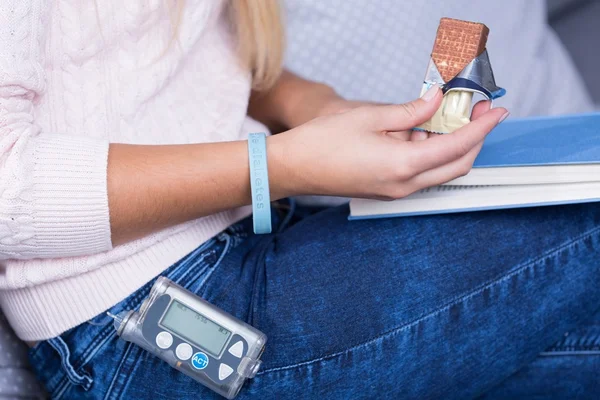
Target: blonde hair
[260,35]
[259,28]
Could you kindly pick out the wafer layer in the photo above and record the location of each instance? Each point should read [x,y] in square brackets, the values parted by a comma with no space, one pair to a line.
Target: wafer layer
[457,43]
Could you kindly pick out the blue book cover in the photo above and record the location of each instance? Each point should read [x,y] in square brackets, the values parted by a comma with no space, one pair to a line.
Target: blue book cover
[525,142]
[556,140]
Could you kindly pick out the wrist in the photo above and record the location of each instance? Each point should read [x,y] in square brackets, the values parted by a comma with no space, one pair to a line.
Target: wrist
[283,179]
[291,102]
[311,103]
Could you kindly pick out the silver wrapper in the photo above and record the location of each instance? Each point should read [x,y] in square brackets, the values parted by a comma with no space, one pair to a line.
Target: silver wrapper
[477,76]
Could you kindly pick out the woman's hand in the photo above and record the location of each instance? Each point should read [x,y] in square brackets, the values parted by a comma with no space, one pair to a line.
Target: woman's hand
[367,151]
[335,104]
[294,101]
[363,152]
[331,103]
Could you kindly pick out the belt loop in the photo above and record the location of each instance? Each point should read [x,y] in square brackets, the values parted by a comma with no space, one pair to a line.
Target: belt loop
[74,377]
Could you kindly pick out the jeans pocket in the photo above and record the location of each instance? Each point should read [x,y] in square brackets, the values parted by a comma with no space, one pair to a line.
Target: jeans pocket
[141,366]
[89,357]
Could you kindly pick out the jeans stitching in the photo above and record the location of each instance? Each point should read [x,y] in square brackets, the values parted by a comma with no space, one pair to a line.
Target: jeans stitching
[117,392]
[520,268]
[200,264]
[92,348]
[112,390]
[71,374]
[288,216]
[585,343]
[108,333]
[265,246]
[229,245]
[581,351]
[64,385]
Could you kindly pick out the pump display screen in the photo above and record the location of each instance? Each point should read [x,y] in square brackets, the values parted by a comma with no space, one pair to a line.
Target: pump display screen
[195,327]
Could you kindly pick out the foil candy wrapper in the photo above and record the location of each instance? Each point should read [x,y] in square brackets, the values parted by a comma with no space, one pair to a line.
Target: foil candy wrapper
[476,77]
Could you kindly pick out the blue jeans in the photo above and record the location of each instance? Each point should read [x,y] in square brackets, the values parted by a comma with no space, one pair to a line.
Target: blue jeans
[451,306]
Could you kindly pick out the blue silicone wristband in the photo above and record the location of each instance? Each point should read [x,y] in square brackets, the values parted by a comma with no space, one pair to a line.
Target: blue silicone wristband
[259,183]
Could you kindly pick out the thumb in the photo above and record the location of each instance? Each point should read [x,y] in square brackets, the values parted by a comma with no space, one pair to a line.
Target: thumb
[400,117]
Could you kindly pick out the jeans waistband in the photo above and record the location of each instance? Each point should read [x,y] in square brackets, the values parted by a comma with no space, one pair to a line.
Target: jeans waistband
[61,360]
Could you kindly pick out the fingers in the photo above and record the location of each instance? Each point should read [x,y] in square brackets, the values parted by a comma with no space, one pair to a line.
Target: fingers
[400,117]
[480,108]
[448,172]
[417,136]
[443,149]
[457,168]
[402,135]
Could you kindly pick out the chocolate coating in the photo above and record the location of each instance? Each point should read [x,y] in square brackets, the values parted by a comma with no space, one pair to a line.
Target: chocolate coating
[457,43]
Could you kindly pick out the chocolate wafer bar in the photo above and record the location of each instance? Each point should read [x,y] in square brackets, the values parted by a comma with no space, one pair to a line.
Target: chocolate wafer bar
[457,43]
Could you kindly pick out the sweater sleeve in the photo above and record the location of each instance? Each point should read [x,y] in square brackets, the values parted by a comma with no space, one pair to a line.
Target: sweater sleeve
[53,191]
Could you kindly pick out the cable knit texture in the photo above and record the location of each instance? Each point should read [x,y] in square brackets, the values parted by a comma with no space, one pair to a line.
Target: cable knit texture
[74,77]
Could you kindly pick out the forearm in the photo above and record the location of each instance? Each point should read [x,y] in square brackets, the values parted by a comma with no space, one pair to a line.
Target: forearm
[347,154]
[290,103]
[154,187]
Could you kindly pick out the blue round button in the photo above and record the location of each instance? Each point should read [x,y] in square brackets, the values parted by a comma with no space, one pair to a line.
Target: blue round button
[200,360]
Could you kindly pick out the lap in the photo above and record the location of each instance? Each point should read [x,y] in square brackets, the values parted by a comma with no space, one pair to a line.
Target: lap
[444,304]
[441,306]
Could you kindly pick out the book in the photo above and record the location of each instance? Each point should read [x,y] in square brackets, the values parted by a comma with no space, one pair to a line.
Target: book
[454,199]
[540,150]
[525,162]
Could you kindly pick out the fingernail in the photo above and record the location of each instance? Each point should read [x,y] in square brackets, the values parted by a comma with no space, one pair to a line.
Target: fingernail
[431,93]
[502,118]
[417,136]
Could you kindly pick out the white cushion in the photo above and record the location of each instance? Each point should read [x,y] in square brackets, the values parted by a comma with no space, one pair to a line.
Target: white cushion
[378,50]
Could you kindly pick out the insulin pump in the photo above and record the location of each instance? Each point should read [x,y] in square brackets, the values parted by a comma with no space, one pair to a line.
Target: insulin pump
[194,337]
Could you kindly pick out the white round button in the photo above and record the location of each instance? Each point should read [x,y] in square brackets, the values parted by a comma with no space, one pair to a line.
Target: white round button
[164,340]
[184,351]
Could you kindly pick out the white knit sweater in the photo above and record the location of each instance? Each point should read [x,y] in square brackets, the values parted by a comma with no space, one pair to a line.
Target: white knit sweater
[75,76]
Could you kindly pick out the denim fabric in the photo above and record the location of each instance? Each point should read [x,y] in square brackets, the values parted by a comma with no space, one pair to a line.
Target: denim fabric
[570,369]
[440,307]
